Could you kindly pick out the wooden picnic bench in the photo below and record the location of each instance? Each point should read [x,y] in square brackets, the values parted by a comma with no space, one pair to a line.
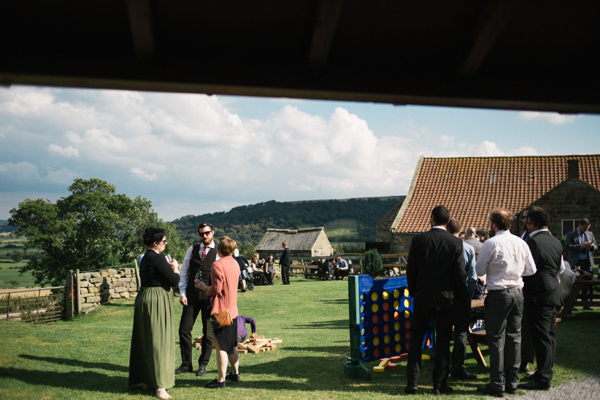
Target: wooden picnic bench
[576,297]
[400,264]
[475,338]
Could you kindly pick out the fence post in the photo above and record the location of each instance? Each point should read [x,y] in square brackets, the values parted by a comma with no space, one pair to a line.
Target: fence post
[69,296]
[77,293]
[8,307]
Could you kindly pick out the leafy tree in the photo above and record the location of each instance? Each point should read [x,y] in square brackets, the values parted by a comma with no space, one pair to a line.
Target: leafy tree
[16,256]
[373,264]
[90,229]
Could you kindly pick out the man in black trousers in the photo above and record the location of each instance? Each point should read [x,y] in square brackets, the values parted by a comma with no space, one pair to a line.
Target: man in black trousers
[284,262]
[197,261]
[435,271]
[542,296]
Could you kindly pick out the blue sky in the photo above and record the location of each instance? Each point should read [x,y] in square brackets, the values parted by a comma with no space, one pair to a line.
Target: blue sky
[193,154]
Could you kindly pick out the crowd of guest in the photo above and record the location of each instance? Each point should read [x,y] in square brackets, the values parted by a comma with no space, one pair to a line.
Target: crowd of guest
[525,280]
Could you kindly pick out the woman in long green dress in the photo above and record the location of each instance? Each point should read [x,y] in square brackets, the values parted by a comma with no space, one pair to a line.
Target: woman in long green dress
[153,343]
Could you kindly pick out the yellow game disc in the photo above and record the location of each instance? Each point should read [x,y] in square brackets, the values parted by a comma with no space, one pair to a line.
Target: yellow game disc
[397,337]
[374,296]
[375,341]
[406,313]
[397,325]
[374,308]
[386,339]
[396,293]
[406,303]
[385,295]
[378,369]
[396,304]
[406,292]
[425,357]
[398,348]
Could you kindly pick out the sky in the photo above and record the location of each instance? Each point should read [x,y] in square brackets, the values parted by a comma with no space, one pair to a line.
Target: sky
[192,154]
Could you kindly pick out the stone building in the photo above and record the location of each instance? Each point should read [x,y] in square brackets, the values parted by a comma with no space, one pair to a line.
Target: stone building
[568,187]
[307,242]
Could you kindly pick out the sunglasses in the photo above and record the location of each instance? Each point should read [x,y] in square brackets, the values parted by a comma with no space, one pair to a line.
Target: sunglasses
[207,233]
[164,241]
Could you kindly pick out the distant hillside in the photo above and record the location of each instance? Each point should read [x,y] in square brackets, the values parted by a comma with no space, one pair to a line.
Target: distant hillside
[348,220]
[4,227]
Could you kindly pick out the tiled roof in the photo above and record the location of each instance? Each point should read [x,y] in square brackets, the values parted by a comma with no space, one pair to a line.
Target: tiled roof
[301,239]
[472,186]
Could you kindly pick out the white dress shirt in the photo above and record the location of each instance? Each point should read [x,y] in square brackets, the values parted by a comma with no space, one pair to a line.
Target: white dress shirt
[183,275]
[505,258]
[562,262]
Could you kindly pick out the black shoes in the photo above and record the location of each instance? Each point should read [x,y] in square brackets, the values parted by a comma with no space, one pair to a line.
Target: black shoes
[215,384]
[443,390]
[534,385]
[233,377]
[464,375]
[183,368]
[489,391]
[410,390]
[201,370]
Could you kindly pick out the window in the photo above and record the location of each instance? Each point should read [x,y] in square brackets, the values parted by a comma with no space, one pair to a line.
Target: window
[568,225]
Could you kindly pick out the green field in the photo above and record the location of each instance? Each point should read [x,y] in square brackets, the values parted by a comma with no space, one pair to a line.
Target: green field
[87,358]
[342,227]
[8,272]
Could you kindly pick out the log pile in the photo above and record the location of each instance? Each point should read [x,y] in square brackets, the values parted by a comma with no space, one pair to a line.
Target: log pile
[254,345]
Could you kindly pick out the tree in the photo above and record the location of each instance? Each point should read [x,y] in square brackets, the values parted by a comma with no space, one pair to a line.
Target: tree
[373,264]
[90,229]
[16,256]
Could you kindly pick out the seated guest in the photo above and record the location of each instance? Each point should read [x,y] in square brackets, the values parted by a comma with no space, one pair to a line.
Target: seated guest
[257,273]
[243,269]
[341,268]
[242,332]
[269,268]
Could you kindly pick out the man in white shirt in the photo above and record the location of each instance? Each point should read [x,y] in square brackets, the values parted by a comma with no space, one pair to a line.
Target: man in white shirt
[504,258]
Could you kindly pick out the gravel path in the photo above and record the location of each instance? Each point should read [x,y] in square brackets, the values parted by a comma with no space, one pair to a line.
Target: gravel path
[582,390]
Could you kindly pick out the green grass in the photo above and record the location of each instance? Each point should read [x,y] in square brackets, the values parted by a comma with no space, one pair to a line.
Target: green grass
[342,227]
[87,358]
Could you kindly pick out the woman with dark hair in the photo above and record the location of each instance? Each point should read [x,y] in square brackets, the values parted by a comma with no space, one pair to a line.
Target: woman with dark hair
[270,269]
[153,341]
[223,296]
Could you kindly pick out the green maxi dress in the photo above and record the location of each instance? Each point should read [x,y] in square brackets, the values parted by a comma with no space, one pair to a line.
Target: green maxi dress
[152,357]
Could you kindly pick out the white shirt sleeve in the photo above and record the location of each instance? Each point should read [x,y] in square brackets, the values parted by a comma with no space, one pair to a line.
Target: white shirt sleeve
[483,260]
[562,267]
[183,274]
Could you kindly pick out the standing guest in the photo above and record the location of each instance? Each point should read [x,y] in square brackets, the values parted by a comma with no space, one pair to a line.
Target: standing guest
[524,214]
[284,262]
[152,341]
[505,258]
[461,308]
[526,343]
[482,235]
[581,245]
[270,269]
[542,296]
[198,260]
[242,331]
[471,238]
[223,296]
[435,272]
[341,268]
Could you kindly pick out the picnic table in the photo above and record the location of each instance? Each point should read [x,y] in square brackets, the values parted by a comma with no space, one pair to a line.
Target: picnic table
[576,297]
[475,338]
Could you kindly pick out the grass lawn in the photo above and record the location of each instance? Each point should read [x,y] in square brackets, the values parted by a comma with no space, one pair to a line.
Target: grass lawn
[88,357]
[342,227]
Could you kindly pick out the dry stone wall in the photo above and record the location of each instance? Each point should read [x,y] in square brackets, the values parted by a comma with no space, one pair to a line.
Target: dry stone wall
[102,286]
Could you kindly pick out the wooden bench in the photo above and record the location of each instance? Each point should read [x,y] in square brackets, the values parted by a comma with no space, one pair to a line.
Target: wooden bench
[576,298]
[389,265]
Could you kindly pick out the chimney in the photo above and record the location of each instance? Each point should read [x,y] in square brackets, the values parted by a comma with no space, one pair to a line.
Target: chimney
[573,169]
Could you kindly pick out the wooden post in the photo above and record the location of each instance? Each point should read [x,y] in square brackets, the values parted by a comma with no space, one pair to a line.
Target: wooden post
[77,293]
[8,307]
[69,291]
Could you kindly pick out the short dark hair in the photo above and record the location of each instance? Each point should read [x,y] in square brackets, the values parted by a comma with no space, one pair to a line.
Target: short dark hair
[584,222]
[483,233]
[502,218]
[226,246]
[204,225]
[441,215]
[453,226]
[538,217]
[153,235]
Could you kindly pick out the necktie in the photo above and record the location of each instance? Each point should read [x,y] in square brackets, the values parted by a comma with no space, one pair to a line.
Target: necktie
[205,252]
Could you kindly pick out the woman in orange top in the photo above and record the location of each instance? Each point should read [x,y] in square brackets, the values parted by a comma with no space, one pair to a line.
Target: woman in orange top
[223,296]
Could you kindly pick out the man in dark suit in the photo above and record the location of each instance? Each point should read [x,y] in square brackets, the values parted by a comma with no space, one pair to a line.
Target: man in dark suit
[197,263]
[284,262]
[435,270]
[581,245]
[541,292]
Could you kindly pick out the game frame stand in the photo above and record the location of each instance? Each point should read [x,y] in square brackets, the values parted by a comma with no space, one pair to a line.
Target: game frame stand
[380,322]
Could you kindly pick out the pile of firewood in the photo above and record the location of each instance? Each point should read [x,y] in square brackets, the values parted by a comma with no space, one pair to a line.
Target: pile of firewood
[253,345]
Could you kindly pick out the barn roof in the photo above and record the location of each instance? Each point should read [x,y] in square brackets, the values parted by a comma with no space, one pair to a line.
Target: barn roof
[300,239]
[472,186]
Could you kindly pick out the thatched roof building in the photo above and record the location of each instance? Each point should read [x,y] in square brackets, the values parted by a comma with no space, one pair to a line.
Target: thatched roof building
[306,242]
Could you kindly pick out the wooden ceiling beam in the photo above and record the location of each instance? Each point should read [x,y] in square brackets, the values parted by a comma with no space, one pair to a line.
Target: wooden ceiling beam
[491,22]
[140,21]
[327,16]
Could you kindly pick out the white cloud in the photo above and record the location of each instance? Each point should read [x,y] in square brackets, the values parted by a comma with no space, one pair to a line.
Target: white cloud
[63,151]
[22,171]
[61,177]
[551,117]
[140,173]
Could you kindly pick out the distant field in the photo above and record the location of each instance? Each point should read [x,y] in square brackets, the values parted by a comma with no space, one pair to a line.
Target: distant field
[7,271]
[342,227]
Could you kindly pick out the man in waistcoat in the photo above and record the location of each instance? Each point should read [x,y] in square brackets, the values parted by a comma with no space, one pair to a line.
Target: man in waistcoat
[197,261]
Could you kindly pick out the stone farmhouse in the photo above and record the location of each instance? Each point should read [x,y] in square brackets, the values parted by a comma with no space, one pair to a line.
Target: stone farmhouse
[307,242]
[568,187]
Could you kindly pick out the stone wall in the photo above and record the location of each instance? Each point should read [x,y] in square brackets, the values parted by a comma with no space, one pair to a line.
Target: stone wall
[98,287]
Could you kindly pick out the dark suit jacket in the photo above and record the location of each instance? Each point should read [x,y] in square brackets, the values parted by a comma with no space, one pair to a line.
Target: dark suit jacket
[436,270]
[543,287]
[574,247]
[286,258]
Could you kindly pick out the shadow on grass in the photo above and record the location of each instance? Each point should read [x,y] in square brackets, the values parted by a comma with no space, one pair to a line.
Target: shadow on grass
[338,324]
[335,301]
[76,363]
[118,305]
[341,350]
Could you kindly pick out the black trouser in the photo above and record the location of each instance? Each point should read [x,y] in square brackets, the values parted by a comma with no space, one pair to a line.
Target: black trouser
[586,291]
[503,313]
[541,319]
[443,330]
[188,318]
[285,274]
[262,280]
[526,343]
[461,309]
[341,273]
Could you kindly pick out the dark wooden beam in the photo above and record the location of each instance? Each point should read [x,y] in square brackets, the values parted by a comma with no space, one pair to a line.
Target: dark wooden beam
[140,21]
[491,22]
[327,15]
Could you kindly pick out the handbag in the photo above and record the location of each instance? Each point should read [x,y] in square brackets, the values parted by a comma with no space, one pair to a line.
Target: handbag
[221,319]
